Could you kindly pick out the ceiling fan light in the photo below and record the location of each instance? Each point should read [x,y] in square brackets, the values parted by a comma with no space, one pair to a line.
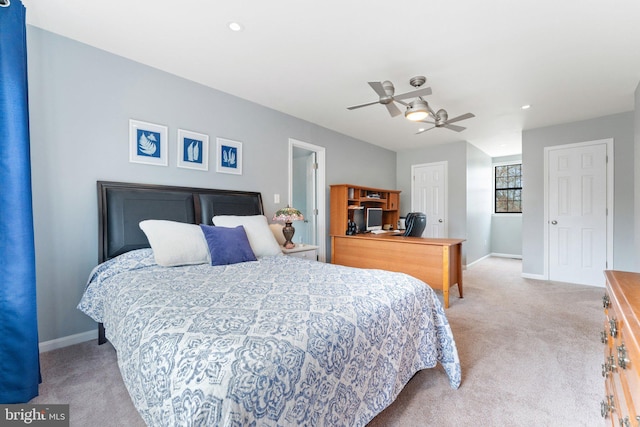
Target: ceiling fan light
[416,111]
[416,116]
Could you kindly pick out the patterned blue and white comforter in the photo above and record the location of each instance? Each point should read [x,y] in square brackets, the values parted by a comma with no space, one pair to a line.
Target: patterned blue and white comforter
[279,341]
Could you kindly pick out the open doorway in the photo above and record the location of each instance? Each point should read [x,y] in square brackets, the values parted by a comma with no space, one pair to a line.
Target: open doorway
[307,193]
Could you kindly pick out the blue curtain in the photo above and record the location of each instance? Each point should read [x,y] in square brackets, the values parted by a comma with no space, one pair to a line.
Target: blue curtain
[19,358]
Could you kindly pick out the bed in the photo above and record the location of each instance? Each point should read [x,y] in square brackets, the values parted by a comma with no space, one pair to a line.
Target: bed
[271,341]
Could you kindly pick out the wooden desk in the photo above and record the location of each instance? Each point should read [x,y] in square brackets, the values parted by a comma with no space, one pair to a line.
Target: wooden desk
[438,262]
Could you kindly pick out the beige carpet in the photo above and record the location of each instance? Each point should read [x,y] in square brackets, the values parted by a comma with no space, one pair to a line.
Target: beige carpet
[529,350]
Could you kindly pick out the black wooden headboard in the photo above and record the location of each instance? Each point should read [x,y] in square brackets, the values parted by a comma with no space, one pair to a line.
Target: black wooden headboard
[122,206]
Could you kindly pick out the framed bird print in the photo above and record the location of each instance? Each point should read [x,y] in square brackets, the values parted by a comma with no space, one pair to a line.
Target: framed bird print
[148,143]
[193,150]
[228,156]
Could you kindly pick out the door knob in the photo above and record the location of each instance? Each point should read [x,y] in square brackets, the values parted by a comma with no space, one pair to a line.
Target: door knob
[440,220]
[554,222]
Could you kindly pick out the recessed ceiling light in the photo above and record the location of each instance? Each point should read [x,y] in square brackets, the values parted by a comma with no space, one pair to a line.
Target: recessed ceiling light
[526,107]
[235,26]
[421,130]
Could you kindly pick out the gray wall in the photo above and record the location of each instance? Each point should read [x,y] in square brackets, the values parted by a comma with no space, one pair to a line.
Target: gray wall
[620,127]
[462,159]
[479,206]
[506,235]
[81,99]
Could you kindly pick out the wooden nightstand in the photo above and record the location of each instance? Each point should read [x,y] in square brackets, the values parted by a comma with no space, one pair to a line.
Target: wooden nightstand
[302,250]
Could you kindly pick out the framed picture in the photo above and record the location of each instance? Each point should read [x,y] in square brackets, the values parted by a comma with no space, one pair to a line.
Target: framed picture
[228,156]
[148,143]
[193,150]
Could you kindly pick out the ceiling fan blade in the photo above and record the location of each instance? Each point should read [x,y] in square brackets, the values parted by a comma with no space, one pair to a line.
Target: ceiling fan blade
[425,121]
[377,86]
[454,127]
[424,130]
[414,93]
[393,109]
[462,117]
[363,105]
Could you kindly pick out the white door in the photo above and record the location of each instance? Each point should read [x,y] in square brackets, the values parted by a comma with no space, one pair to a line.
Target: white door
[577,213]
[429,195]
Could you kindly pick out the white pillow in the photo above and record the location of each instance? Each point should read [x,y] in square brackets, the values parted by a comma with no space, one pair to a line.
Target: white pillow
[176,243]
[258,232]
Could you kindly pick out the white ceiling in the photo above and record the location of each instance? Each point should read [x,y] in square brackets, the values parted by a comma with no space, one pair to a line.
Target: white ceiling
[570,59]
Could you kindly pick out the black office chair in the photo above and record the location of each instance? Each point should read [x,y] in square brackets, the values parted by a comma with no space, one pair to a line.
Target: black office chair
[415,224]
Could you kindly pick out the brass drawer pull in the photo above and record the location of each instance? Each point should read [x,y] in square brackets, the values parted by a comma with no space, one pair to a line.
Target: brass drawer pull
[608,366]
[613,328]
[606,302]
[606,406]
[603,337]
[623,360]
[625,422]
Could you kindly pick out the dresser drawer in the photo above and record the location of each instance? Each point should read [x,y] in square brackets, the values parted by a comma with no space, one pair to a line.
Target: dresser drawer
[628,359]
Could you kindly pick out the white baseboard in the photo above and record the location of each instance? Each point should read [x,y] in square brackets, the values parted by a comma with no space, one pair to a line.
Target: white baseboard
[507,255]
[67,341]
[476,261]
[596,285]
[533,276]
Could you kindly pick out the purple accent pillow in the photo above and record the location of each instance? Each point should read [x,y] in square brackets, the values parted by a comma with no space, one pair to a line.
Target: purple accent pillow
[227,245]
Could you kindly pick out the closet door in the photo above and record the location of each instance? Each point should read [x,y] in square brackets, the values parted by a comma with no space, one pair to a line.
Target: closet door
[429,195]
[577,214]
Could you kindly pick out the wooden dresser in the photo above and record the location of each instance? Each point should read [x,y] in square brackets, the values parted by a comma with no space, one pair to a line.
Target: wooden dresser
[621,337]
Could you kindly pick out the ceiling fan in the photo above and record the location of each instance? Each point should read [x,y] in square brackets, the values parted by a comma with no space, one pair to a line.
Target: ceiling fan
[419,110]
[387,97]
[442,119]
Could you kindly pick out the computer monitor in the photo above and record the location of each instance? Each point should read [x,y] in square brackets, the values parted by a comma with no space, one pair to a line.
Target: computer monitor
[374,219]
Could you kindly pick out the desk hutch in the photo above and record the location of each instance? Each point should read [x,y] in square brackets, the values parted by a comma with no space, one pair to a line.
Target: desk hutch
[346,198]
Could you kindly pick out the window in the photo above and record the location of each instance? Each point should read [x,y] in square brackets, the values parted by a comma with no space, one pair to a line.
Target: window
[508,188]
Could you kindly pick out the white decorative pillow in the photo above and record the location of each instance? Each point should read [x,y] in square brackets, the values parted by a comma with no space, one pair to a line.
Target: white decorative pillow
[176,243]
[258,232]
